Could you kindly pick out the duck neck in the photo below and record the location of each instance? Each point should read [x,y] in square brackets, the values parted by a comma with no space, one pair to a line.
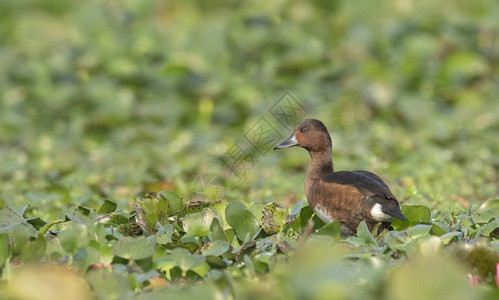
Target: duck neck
[322,164]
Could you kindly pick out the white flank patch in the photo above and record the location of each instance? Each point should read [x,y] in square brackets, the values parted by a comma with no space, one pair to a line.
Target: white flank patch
[322,214]
[379,215]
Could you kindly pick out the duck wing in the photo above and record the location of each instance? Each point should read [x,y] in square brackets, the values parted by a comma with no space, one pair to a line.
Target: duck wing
[372,176]
[373,189]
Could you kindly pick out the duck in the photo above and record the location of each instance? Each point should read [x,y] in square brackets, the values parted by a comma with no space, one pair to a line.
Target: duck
[348,197]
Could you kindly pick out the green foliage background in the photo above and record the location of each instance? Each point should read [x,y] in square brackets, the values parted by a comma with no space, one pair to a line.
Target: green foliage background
[113,99]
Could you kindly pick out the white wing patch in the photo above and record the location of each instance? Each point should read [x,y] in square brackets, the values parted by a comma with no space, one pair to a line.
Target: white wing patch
[322,214]
[379,215]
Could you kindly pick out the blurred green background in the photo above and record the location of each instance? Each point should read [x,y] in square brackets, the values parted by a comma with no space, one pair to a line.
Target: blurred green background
[111,99]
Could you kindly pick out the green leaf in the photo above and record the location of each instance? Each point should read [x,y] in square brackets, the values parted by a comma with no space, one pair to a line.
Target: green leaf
[151,210]
[74,237]
[134,248]
[4,248]
[365,235]
[331,229]
[423,245]
[448,237]
[74,214]
[275,216]
[186,260]
[397,240]
[216,248]
[20,209]
[301,220]
[297,208]
[491,204]
[34,250]
[487,229]
[199,224]
[84,210]
[257,211]
[415,214]
[418,230]
[487,211]
[241,220]
[439,229]
[216,231]
[11,221]
[107,284]
[37,222]
[429,277]
[19,239]
[176,204]
[114,218]
[107,207]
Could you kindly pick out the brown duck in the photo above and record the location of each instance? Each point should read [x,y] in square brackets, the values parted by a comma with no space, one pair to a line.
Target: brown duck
[345,196]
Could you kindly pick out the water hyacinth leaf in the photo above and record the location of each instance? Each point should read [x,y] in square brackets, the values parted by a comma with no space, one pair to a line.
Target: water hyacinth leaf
[487,211]
[241,219]
[151,210]
[424,245]
[397,240]
[448,237]
[364,233]
[20,209]
[297,208]
[34,250]
[216,248]
[257,211]
[490,228]
[418,230]
[163,238]
[202,269]
[415,214]
[107,207]
[216,231]
[86,256]
[331,229]
[439,229]
[74,214]
[491,204]
[119,218]
[4,248]
[176,203]
[84,210]
[37,222]
[19,239]
[11,221]
[219,207]
[215,262]
[107,284]
[134,247]
[274,217]
[186,260]
[74,237]
[67,241]
[301,220]
[198,224]
[449,282]
[484,217]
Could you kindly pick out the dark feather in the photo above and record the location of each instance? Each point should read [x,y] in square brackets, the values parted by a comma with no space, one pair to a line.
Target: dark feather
[366,184]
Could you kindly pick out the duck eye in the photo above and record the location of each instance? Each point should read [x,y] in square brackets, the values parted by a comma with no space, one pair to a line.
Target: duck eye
[304,129]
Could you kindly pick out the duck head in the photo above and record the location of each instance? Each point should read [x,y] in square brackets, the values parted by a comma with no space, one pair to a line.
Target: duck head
[310,134]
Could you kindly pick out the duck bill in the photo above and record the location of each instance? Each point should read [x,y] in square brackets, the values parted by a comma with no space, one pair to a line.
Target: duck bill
[289,142]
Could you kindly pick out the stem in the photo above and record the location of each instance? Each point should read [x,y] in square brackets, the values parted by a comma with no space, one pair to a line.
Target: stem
[46,227]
